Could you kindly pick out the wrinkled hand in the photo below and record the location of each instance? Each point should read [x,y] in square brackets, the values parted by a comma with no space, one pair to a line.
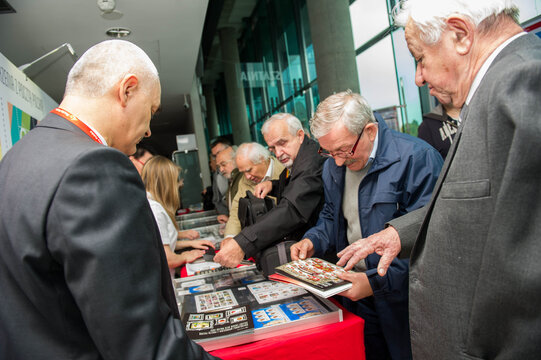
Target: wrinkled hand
[302,250]
[261,190]
[385,243]
[199,244]
[361,286]
[230,254]
[188,234]
[192,255]
[222,219]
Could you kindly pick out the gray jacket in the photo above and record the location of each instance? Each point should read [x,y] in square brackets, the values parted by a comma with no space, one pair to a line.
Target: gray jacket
[475,279]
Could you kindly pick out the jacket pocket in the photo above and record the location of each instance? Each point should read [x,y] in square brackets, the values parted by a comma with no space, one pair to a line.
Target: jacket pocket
[465,189]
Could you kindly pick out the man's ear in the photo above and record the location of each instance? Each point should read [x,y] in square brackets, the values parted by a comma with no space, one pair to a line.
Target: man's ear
[462,30]
[372,130]
[126,88]
[300,134]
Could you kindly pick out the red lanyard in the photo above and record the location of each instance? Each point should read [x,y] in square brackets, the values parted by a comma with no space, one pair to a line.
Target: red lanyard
[81,125]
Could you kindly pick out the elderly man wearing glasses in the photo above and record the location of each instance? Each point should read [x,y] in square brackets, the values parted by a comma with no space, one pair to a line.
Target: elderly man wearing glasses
[373,174]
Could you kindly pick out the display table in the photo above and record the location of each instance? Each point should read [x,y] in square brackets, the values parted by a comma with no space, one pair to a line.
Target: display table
[343,340]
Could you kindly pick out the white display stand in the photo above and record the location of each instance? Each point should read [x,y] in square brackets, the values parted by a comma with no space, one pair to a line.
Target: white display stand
[22,104]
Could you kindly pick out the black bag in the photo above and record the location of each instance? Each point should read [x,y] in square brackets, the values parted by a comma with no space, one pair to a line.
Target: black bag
[251,209]
[274,256]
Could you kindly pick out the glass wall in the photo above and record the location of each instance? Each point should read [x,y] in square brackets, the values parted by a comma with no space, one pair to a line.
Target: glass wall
[387,69]
[277,63]
[279,72]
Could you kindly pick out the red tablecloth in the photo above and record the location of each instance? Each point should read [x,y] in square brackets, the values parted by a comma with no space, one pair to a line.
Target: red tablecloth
[339,341]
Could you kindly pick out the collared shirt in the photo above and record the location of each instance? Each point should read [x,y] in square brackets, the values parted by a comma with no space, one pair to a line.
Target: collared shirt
[374,149]
[97,133]
[268,174]
[483,70]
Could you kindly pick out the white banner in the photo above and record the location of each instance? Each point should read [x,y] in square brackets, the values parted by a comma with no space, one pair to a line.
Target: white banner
[22,104]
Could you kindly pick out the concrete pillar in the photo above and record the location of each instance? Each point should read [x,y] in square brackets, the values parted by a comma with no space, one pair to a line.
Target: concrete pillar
[199,131]
[334,49]
[235,92]
[212,116]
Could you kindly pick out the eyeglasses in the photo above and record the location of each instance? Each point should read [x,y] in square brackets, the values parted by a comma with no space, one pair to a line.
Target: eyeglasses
[341,154]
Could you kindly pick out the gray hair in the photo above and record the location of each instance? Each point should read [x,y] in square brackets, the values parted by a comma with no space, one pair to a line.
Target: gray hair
[346,107]
[232,153]
[429,15]
[254,152]
[103,65]
[293,123]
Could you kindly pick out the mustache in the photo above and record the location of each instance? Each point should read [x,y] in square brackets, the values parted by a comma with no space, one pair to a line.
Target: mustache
[349,162]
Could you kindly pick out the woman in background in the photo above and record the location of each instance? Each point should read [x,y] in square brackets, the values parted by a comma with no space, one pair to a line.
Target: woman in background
[161,178]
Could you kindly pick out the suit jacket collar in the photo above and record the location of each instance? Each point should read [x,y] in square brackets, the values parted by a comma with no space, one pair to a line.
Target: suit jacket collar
[58,122]
[488,63]
[307,154]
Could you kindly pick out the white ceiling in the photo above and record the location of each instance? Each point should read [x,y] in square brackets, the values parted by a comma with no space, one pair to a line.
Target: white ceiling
[168,30]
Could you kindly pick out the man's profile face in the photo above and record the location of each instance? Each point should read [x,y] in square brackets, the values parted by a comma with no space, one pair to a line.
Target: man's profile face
[253,172]
[137,116]
[284,145]
[437,65]
[225,163]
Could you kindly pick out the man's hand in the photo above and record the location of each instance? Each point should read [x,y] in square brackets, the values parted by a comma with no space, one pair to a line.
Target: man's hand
[385,243]
[230,254]
[302,250]
[222,219]
[361,286]
[261,190]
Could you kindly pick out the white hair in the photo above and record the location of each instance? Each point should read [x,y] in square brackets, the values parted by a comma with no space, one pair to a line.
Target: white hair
[103,65]
[254,152]
[293,123]
[429,15]
[347,107]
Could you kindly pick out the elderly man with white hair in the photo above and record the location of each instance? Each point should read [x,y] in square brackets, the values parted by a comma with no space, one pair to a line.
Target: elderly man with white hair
[475,274]
[373,174]
[257,165]
[298,192]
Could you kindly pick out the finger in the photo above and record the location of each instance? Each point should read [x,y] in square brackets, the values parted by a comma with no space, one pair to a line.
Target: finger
[352,262]
[344,256]
[343,275]
[303,251]
[384,263]
[294,250]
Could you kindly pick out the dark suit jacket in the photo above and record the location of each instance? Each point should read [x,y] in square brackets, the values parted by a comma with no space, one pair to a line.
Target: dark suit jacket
[82,268]
[299,199]
[475,275]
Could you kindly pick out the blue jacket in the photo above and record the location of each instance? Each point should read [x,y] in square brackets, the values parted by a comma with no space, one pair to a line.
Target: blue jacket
[401,179]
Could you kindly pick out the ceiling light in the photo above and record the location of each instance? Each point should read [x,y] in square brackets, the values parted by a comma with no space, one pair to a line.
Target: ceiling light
[118,32]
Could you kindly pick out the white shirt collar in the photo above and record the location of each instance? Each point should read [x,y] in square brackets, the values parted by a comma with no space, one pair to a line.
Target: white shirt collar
[97,133]
[268,174]
[483,70]
[375,147]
